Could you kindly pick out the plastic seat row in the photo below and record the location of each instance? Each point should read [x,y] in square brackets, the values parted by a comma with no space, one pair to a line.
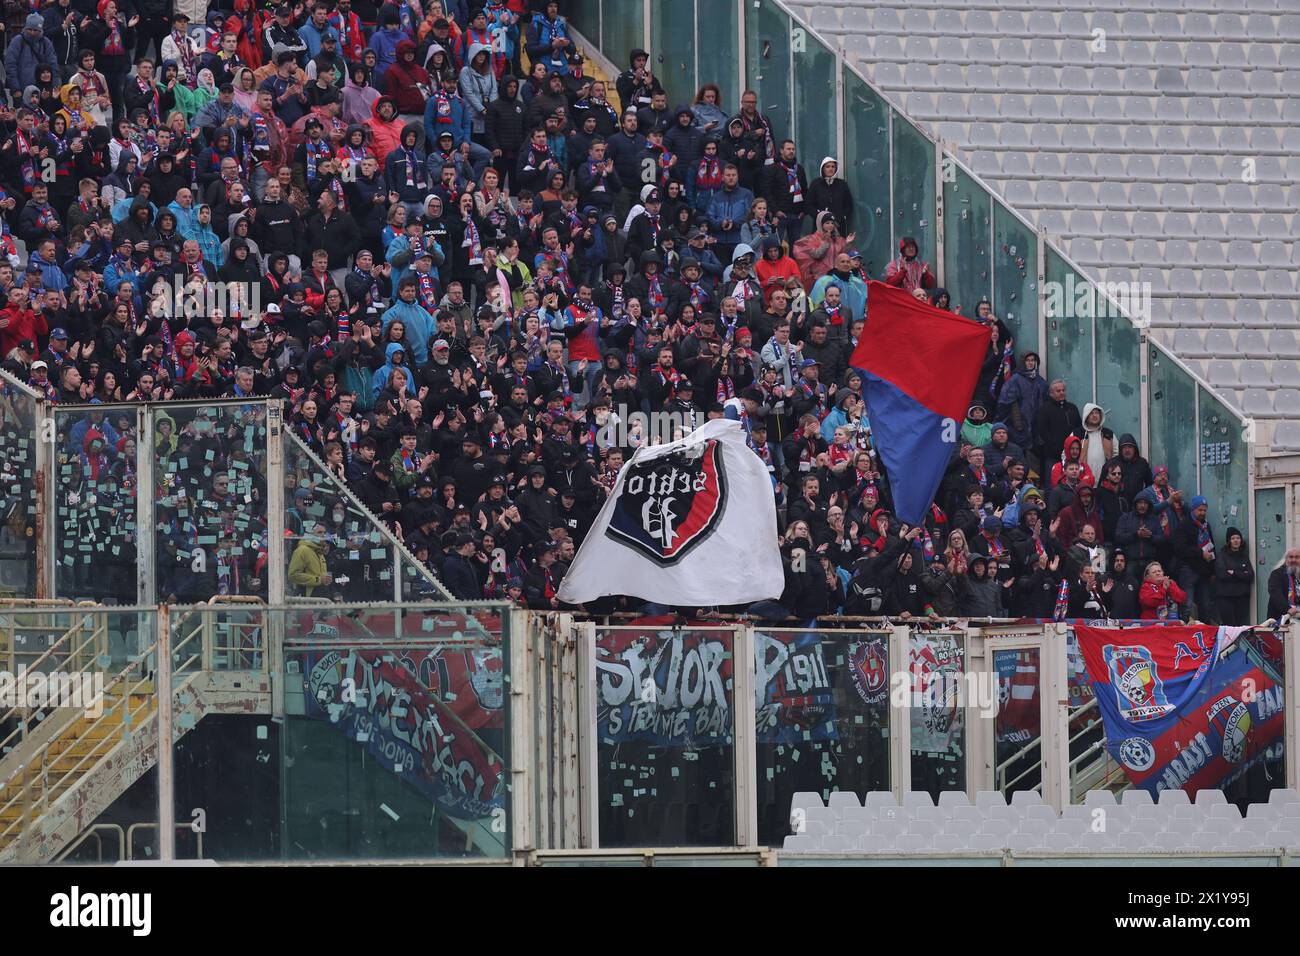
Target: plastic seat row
[1100,824]
[1171,225]
[1235,254]
[1279,344]
[1211,312]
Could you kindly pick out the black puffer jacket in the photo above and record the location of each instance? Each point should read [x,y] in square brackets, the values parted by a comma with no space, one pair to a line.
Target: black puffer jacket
[1233,572]
[504,124]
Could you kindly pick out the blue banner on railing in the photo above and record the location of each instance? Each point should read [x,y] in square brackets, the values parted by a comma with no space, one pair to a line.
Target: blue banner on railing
[1182,709]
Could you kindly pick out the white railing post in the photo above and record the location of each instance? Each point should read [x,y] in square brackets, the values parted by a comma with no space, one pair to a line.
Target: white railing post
[744,736]
[521,752]
[588,740]
[1291,718]
[1054,747]
[900,717]
[981,743]
[166,765]
[146,527]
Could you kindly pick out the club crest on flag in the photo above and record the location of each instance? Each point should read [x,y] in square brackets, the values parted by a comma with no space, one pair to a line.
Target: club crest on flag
[1137,754]
[1230,718]
[670,504]
[1140,693]
[869,671]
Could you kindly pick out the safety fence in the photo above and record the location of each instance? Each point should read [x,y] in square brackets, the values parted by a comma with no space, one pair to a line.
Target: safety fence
[315,731]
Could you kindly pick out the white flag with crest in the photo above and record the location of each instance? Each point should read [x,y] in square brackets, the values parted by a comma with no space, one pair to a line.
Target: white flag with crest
[692,522]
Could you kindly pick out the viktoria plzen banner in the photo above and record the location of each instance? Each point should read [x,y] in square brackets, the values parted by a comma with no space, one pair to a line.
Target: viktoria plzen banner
[1183,708]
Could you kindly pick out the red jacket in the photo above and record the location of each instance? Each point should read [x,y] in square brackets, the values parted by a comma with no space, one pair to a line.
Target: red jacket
[401,81]
[1152,597]
[19,325]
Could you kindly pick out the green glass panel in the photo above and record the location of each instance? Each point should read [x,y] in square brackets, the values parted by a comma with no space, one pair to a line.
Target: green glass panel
[622,30]
[814,95]
[352,783]
[1224,461]
[1172,421]
[1119,371]
[17,492]
[211,498]
[767,62]
[1015,278]
[938,719]
[914,194]
[866,170]
[719,60]
[1068,311]
[95,495]
[672,46]
[584,15]
[1269,541]
[823,720]
[967,234]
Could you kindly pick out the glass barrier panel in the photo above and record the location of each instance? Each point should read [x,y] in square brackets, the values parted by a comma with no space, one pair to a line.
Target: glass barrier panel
[18,437]
[622,30]
[1119,371]
[666,751]
[822,719]
[938,740]
[1173,426]
[672,46]
[84,708]
[210,469]
[1015,278]
[719,63]
[584,15]
[334,549]
[1018,726]
[914,190]
[967,234]
[814,68]
[395,742]
[1225,483]
[866,170]
[1068,311]
[95,492]
[1269,543]
[767,69]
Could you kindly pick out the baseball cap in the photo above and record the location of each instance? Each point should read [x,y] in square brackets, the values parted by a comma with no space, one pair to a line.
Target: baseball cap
[60,333]
[39,364]
[854,254]
[441,344]
[809,362]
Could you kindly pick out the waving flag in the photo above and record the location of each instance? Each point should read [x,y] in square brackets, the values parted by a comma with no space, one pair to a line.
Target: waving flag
[1183,708]
[919,366]
[689,522]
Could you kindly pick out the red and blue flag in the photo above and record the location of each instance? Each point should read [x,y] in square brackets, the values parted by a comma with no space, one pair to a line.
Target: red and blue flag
[1185,707]
[919,366]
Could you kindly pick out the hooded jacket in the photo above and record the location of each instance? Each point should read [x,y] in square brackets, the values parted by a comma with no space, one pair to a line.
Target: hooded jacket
[811,265]
[1073,518]
[379,380]
[385,42]
[407,83]
[384,136]
[358,102]
[1233,571]
[1020,401]
[1086,474]
[1134,475]
[1099,443]
[685,142]
[833,197]
[1142,551]
[478,88]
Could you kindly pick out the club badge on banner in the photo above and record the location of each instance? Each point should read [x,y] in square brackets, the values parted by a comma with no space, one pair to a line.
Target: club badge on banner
[1185,707]
[937,667]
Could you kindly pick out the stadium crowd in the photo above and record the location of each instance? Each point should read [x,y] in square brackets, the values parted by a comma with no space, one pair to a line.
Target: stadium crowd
[464,265]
